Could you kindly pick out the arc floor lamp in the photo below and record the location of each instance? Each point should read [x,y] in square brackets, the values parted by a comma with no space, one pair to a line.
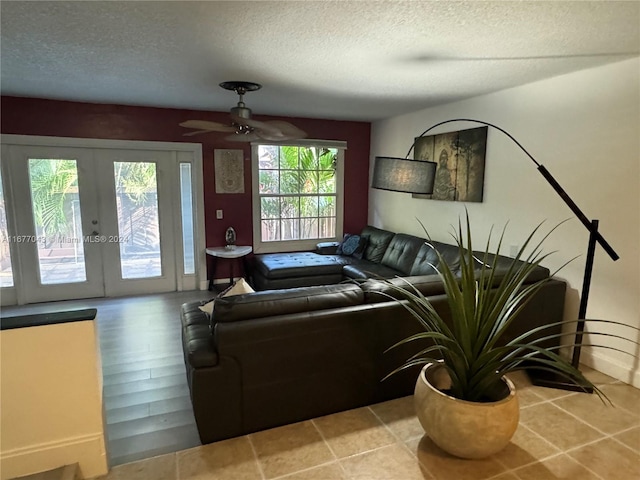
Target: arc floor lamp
[417,176]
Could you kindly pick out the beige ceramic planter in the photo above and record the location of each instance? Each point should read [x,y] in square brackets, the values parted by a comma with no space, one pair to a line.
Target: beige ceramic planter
[464,429]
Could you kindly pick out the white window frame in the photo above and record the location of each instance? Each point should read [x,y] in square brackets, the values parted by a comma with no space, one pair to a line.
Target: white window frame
[296,245]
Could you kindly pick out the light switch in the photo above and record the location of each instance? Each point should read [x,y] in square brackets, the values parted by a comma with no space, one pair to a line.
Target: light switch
[219,214]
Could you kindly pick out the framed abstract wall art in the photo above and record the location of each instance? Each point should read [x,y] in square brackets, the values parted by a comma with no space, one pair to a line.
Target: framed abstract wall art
[460,157]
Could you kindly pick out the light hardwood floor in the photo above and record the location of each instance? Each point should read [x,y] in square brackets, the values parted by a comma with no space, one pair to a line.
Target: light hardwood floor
[147,406]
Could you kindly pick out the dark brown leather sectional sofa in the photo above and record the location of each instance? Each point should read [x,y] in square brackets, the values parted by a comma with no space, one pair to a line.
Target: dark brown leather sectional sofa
[387,255]
[284,355]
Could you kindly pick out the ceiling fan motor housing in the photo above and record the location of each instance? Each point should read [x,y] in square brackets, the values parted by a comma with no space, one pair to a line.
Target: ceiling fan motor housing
[241,111]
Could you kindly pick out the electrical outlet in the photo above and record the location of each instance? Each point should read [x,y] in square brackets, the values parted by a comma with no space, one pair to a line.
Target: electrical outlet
[513,251]
[219,214]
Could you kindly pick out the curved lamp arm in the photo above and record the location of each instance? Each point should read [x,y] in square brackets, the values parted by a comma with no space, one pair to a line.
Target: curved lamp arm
[594,236]
[589,225]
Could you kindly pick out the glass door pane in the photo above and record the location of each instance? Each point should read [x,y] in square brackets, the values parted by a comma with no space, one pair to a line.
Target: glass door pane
[138,222]
[6,273]
[186,211]
[57,221]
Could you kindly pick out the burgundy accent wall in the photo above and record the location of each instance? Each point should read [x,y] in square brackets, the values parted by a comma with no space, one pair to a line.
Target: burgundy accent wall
[32,116]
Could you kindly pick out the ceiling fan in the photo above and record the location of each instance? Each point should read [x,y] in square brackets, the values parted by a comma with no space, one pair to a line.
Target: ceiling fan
[243,128]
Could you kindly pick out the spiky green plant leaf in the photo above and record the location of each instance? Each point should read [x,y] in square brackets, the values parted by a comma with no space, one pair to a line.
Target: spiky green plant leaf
[483,305]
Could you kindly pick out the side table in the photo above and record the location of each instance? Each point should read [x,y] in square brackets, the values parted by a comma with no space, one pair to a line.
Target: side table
[238,251]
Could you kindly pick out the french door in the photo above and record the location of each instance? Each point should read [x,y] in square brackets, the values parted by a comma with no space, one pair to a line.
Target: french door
[53,215]
[137,237]
[93,222]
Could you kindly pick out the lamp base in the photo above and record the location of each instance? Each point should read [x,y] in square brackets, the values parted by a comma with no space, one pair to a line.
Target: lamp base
[543,378]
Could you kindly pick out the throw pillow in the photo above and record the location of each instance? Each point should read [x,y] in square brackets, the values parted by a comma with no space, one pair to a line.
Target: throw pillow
[238,288]
[352,245]
[207,307]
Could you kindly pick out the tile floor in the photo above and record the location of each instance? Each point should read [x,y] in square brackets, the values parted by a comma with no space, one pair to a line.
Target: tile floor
[562,435]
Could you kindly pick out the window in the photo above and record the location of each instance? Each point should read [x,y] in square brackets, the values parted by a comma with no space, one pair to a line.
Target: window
[297,195]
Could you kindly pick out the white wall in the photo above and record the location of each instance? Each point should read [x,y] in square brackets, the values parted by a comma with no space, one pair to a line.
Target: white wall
[51,400]
[585,128]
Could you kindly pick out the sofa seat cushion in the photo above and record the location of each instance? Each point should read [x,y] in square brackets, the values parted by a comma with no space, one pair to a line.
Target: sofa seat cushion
[362,271]
[263,284]
[297,264]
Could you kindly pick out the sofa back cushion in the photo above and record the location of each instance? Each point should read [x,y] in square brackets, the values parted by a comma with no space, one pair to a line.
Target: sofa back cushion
[281,302]
[426,258]
[502,264]
[377,291]
[401,252]
[377,242]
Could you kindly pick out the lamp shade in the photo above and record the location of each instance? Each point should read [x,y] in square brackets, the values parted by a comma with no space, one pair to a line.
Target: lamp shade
[404,175]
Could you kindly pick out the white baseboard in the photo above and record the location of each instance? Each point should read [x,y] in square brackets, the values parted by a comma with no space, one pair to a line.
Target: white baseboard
[627,373]
[87,451]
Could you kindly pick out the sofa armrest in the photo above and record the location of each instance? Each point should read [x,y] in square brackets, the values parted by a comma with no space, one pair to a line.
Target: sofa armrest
[327,248]
[197,342]
[198,346]
[216,396]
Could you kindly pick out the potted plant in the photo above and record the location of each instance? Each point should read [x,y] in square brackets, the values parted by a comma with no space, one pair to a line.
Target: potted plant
[463,399]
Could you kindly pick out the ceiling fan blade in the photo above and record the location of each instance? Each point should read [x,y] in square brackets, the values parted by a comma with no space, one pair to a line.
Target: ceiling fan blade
[280,131]
[242,137]
[205,126]
[288,129]
[197,132]
[272,137]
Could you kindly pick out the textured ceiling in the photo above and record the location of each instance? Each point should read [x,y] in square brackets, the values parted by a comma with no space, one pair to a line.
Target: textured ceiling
[358,60]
